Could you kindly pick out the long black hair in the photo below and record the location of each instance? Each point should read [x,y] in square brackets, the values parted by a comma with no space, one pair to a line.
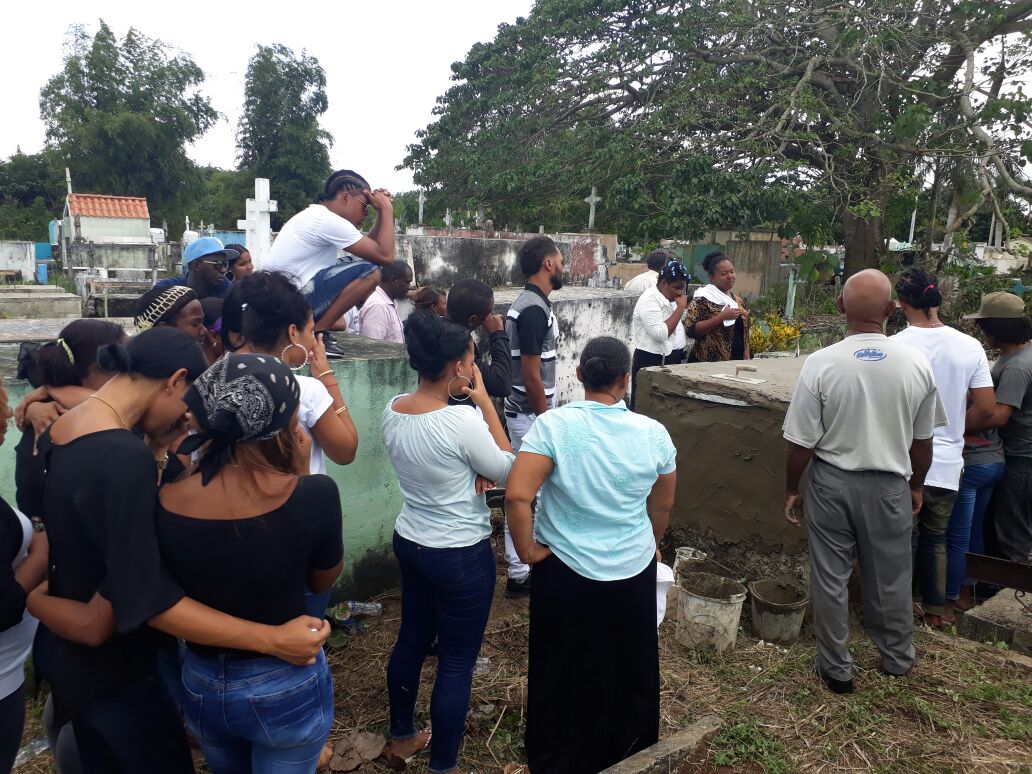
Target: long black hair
[919,288]
[68,360]
[157,353]
[433,342]
[271,303]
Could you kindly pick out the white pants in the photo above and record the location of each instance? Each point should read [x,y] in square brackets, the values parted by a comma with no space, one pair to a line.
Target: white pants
[518,426]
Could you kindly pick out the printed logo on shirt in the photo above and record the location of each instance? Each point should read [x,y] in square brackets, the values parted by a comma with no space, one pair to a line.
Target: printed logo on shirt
[869,354]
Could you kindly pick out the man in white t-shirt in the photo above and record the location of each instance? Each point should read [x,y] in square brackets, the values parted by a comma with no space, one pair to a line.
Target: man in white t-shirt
[308,247]
[961,369]
[655,260]
[862,418]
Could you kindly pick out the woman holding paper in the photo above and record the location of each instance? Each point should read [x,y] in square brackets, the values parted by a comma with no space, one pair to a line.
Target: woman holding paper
[716,317]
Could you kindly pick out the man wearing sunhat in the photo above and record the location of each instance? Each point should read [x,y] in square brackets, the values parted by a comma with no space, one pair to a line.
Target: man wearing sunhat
[1002,319]
[207,260]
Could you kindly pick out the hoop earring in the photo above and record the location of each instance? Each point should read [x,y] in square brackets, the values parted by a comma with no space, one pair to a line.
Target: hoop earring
[283,356]
[458,397]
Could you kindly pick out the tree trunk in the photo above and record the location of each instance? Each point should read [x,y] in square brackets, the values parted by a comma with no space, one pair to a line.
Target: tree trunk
[864,244]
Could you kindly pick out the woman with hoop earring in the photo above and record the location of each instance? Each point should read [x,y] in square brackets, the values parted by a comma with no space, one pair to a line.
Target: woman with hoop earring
[445,457]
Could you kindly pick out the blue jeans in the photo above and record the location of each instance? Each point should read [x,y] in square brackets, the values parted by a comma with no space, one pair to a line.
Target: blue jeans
[966,529]
[322,290]
[445,593]
[258,715]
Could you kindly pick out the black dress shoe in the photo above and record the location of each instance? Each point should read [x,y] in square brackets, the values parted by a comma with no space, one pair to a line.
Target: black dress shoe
[515,589]
[835,686]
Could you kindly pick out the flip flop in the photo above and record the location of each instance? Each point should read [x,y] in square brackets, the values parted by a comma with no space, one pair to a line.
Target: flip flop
[397,763]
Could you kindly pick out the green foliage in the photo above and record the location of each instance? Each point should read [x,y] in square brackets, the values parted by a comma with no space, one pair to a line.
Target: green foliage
[746,742]
[972,282]
[279,136]
[24,223]
[225,196]
[31,194]
[120,114]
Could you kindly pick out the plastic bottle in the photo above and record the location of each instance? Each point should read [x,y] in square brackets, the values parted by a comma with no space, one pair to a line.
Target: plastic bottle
[363,608]
[31,750]
[483,666]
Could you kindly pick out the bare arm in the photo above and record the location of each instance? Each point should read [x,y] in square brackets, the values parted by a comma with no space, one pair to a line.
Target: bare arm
[996,415]
[335,431]
[321,581]
[528,474]
[88,623]
[920,461]
[378,245]
[531,365]
[659,503]
[797,458]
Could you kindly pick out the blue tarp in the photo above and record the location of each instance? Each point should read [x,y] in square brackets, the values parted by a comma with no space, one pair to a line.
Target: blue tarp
[43,251]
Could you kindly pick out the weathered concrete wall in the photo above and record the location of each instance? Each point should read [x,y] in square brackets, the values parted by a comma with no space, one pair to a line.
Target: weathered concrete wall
[371,374]
[442,256]
[79,254]
[582,314]
[730,451]
[19,256]
[757,266]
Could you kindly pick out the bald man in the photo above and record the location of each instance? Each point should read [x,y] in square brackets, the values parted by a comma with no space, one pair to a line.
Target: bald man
[861,419]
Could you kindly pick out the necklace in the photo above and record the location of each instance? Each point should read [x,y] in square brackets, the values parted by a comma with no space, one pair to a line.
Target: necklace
[431,394]
[117,412]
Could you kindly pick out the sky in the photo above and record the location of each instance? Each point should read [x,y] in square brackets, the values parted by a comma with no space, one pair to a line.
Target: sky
[386,63]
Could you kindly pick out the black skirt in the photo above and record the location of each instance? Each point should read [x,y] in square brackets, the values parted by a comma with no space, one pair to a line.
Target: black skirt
[593,693]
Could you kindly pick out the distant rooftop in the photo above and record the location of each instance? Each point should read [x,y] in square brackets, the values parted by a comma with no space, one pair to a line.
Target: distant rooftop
[101,206]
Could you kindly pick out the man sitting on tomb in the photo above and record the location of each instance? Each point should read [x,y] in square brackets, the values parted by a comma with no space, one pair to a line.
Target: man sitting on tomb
[206,262]
[308,248]
[862,417]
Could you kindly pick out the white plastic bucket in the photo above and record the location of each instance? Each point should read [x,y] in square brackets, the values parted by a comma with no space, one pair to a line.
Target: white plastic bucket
[709,608]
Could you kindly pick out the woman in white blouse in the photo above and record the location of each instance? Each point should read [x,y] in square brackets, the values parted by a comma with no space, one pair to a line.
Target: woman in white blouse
[656,320]
[445,456]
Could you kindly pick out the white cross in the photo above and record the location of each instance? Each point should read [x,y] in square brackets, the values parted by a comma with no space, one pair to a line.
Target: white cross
[592,201]
[447,217]
[481,216]
[422,201]
[258,223]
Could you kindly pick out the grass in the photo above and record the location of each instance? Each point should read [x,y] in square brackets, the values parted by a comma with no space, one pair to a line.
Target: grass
[965,707]
[61,280]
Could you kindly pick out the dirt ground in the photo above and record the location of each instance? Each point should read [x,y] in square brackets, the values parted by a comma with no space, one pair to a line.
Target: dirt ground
[965,707]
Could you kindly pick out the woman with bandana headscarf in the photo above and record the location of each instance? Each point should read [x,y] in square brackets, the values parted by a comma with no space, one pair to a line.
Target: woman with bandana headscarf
[246,534]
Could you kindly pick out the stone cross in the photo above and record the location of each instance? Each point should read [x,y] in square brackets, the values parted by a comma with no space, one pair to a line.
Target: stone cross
[481,216]
[447,218]
[258,223]
[592,201]
[422,201]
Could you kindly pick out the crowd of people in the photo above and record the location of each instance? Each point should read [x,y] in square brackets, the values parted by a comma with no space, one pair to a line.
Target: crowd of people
[176,537]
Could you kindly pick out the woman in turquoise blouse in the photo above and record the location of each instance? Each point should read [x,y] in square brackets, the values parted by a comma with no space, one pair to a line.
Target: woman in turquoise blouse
[606,479]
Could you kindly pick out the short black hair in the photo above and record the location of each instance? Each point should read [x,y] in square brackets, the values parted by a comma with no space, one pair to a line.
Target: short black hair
[1006,330]
[433,342]
[271,304]
[469,298]
[341,180]
[919,288]
[241,249]
[657,259]
[233,314]
[394,271]
[533,253]
[157,353]
[712,261]
[603,361]
[83,338]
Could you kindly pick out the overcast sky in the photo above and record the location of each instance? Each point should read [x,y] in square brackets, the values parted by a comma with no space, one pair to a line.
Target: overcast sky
[386,63]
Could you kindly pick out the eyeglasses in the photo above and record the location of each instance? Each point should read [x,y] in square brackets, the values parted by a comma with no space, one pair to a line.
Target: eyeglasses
[223,264]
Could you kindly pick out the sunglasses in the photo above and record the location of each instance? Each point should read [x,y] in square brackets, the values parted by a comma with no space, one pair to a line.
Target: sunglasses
[223,264]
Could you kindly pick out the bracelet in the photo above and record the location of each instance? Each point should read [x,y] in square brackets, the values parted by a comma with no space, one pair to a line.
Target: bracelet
[341,410]
[327,371]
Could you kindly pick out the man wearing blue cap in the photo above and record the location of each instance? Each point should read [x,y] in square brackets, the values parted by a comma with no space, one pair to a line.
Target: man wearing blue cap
[207,260]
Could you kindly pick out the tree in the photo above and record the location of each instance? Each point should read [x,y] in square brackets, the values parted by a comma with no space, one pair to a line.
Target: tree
[279,136]
[120,114]
[31,194]
[844,103]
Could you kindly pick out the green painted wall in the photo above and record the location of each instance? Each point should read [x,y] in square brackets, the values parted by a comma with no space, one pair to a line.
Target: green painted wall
[373,373]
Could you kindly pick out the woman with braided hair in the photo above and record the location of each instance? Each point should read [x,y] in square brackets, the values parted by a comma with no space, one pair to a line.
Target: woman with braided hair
[606,478]
[657,320]
[176,306]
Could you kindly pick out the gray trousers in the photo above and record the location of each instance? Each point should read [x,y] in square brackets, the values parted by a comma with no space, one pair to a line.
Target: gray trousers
[866,516]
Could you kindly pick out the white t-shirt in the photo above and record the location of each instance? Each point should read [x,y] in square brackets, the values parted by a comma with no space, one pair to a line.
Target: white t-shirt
[309,242]
[16,642]
[642,282]
[315,401]
[437,457]
[860,403]
[959,364]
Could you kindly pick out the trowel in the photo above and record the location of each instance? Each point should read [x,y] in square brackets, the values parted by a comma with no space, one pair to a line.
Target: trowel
[741,379]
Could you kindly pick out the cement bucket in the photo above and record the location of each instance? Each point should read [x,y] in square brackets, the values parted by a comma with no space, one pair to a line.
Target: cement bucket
[778,607]
[709,608]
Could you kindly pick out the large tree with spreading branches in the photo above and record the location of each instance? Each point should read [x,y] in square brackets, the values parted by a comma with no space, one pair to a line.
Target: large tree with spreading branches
[818,115]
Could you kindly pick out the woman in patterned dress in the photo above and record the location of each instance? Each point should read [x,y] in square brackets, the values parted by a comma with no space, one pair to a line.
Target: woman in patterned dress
[716,317]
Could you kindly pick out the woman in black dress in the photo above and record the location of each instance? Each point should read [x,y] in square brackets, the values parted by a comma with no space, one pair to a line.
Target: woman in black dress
[108,595]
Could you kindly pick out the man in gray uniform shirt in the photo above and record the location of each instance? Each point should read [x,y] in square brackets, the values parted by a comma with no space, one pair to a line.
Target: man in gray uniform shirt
[862,418]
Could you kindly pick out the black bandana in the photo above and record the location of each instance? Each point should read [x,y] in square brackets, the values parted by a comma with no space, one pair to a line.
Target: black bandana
[240,399]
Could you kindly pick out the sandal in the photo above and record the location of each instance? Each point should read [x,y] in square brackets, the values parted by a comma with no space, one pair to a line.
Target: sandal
[396,762]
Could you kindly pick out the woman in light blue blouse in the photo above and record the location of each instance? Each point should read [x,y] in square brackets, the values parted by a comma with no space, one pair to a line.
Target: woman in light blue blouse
[606,479]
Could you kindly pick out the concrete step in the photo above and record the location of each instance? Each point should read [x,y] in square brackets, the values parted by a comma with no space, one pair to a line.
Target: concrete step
[31,289]
[54,304]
